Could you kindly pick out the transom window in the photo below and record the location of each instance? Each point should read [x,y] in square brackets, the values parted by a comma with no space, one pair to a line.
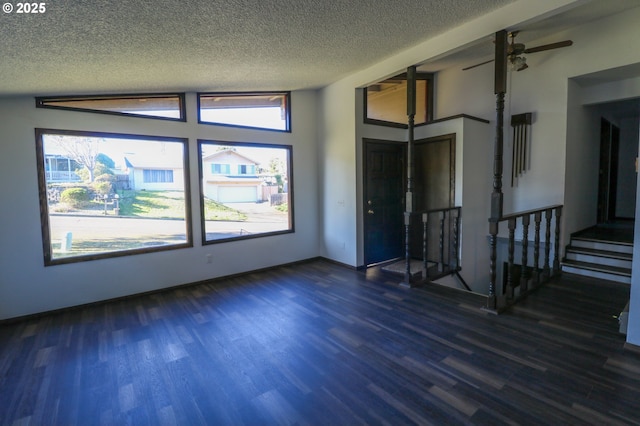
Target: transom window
[385,102]
[270,111]
[109,194]
[246,190]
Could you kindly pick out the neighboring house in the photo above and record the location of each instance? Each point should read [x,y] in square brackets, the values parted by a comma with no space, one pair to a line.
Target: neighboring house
[61,169]
[154,174]
[230,177]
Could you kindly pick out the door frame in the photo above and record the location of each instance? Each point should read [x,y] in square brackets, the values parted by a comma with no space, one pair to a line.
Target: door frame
[608,171]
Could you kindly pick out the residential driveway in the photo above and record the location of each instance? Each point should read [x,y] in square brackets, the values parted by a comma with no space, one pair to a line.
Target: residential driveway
[261,217]
[109,227]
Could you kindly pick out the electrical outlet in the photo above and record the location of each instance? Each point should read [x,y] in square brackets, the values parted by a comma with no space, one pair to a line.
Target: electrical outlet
[209,258]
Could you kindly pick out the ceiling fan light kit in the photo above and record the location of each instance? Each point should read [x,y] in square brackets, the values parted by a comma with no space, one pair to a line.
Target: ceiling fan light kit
[518,63]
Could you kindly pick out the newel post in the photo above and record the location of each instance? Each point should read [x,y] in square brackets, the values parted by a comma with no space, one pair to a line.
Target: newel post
[496,195]
[411,112]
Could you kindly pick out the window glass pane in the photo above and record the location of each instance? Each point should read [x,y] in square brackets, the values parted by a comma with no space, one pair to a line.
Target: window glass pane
[246,190]
[110,194]
[262,110]
[386,101]
[152,106]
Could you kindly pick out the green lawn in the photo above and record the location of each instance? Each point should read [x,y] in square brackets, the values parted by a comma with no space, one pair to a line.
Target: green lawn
[154,205]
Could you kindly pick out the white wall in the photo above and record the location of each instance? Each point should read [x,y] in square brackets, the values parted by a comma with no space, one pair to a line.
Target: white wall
[582,163]
[27,286]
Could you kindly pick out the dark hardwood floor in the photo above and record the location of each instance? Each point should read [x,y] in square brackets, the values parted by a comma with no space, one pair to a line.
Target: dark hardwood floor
[317,343]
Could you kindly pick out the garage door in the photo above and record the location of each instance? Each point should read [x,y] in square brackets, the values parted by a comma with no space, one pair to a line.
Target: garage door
[237,194]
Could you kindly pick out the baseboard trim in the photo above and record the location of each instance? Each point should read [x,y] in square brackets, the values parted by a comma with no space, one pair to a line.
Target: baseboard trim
[631,347]
[37,315]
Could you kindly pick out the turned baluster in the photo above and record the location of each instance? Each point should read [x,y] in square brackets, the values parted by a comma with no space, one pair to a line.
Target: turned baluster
[456,241]
[512,229]
[556,243]
[441,260]
[493,239]
[524,274]
[425,246]
[536,248]
[547,243]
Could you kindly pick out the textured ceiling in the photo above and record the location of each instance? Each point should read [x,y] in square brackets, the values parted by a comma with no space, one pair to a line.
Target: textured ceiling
[95,46]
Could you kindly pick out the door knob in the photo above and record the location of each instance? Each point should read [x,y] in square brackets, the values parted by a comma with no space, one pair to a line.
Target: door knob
[370,211]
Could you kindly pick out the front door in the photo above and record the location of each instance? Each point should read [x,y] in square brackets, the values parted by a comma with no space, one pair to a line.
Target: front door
[384,183]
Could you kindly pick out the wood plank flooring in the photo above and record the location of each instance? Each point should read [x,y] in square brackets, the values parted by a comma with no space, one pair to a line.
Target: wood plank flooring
[319,344]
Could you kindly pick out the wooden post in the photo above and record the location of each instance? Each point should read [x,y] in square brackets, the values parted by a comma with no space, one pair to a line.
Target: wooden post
[500,90]
[411,112]
[500,75]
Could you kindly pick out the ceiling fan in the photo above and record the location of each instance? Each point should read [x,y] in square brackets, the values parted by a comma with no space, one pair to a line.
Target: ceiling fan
[515,52]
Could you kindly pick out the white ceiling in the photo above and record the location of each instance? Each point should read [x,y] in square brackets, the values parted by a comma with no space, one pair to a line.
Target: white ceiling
[96,46]
[81,46]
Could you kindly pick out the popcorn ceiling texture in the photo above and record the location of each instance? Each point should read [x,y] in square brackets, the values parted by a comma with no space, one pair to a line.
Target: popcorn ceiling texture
[95,46]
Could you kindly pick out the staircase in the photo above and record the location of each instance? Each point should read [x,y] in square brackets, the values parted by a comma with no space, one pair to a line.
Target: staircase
[603,252]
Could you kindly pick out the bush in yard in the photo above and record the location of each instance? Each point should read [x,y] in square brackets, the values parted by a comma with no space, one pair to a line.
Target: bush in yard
[75,197]
[102,185]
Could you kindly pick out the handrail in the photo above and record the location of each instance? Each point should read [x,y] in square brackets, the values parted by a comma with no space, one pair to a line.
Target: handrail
[531,276]
[525,212]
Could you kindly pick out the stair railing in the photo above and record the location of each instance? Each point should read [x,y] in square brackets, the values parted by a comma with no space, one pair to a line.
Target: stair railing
[446,261]
[532,275]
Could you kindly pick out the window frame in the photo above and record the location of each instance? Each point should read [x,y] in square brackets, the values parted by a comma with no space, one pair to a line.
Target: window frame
[290,186]
[428,77]
[41,102]
[287,100]
[49,260]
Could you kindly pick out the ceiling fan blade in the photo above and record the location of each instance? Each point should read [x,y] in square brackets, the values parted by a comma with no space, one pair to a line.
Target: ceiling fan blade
[557,45]
[477,65]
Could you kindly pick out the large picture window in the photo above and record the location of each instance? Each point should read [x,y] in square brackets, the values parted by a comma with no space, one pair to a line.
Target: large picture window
[270,111]
[246,190]
[107,194]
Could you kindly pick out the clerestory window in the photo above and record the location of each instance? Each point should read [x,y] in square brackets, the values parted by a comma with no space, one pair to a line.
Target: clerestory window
[268,111]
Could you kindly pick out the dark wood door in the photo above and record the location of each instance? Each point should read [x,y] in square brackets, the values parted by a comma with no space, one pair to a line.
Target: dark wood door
[608,171]
[434,183]
[384,183]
